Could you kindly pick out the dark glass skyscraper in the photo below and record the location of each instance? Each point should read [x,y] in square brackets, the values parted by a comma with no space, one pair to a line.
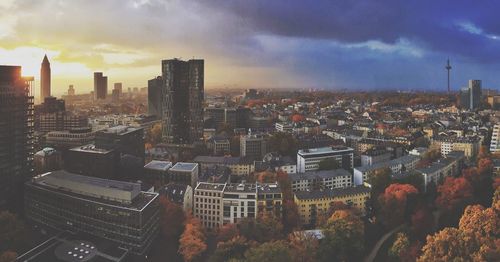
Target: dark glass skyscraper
[16,134]
[154,96]
[100,85]
[45,79]
[181,100]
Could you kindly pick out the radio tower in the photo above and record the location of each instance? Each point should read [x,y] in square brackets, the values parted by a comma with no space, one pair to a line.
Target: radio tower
[448,68]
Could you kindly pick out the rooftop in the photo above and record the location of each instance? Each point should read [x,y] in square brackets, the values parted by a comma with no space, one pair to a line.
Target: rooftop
[210,186]
[120,130]
[90,148]
[323,150]
[402,160]
[114,192]
[332,193]
[158,165]
[183,166]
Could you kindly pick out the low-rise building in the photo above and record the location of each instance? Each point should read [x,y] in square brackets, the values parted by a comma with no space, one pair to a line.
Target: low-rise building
[315,180]
[309,159]
[47,159]
[313,204]
[469,145]
[239,166]
[184,173]
[398,165]
[375,155]
[437,171]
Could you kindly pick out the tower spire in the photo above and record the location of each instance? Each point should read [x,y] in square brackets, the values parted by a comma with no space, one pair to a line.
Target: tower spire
[448,68]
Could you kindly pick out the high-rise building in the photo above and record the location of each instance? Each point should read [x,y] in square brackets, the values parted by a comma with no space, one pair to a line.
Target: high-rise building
[100,85]
[117,92]
[16,134]
[71,90]
[182,96]
[475,94]
[155,86]
[45,78]
[470,97]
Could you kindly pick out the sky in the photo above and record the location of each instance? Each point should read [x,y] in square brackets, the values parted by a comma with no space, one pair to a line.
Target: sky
[324,44]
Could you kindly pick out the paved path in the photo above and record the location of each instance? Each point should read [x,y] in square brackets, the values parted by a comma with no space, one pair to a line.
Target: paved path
[379,244]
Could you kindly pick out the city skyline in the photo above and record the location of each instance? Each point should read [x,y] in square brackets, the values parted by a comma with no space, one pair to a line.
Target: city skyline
[256,44]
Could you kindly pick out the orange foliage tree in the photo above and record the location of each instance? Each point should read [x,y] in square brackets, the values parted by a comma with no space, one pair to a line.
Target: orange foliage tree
[454,193]
[172,219]
[192,242]
[393,203]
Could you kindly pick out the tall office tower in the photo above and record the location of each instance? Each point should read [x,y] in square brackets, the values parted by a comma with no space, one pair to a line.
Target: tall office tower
[100,85]
[182,100]
[71,90]
[45,78]
[117,92]
[16,134]
[475,94]
[464,98]
[154,96]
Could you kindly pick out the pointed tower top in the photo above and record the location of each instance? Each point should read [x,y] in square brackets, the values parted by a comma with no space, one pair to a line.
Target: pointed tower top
[45,59]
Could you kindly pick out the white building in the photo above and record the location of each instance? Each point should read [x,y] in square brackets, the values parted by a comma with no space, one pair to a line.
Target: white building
[398,165]
[495,139]
[312,180]
[309,159]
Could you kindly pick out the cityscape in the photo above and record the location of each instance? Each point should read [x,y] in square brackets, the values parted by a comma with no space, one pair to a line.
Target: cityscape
[151,130]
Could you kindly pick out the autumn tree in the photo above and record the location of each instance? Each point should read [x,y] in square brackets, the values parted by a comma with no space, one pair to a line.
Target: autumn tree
[379,180]
[298,118]
[481,179]
[8,256]
[263,229]
[13,235]
[303,246]
[343,238]
[453,196]
[266,177]
[448,244]
[171,220]
[192,242]
[394,203]
[227,232]
[274,251]
[231,249]
[400,246]
[422,222]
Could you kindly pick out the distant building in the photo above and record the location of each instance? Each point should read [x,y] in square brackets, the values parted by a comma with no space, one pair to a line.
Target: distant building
[16,134]
[313,204]
[436,172]
[70,138]
[184,173]
[98,207]
[47,159]
[157,171]
[239,166]
[125,140]
[253,146]
[469,145]
[470,97]
[100,86]
[220,146]
[117,92]
[375,155]
[309,159]
[181,101]
[51,115]
[71,90]
[45,78]
[155,107]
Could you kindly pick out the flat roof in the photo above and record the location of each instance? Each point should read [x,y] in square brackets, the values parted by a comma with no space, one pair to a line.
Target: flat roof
[158,165]
[210,186]
[332,193]
[183,166]
[120,130]
[90,148]
[223,160]
[324,150]
[402,160]
[241,188]
[118,193]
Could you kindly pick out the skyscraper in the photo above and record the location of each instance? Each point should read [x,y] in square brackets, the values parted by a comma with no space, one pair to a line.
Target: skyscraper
[45,79]
[475,93]
[16,134]
[100,85]
[181,100]
[154,96]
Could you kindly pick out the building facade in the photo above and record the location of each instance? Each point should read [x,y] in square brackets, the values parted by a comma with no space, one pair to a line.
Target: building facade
[316,180]
[309,159]
[112,210]
[100,86]
[16,134]
[45,78]
[313,204]
[252,146]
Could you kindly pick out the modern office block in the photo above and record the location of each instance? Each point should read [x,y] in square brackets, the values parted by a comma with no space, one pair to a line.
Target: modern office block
[108,209]
[309,159]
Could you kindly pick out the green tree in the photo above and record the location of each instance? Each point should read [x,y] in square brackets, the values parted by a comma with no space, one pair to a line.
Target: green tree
[283,143]
[231,249]
[275,251]
[379,180]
